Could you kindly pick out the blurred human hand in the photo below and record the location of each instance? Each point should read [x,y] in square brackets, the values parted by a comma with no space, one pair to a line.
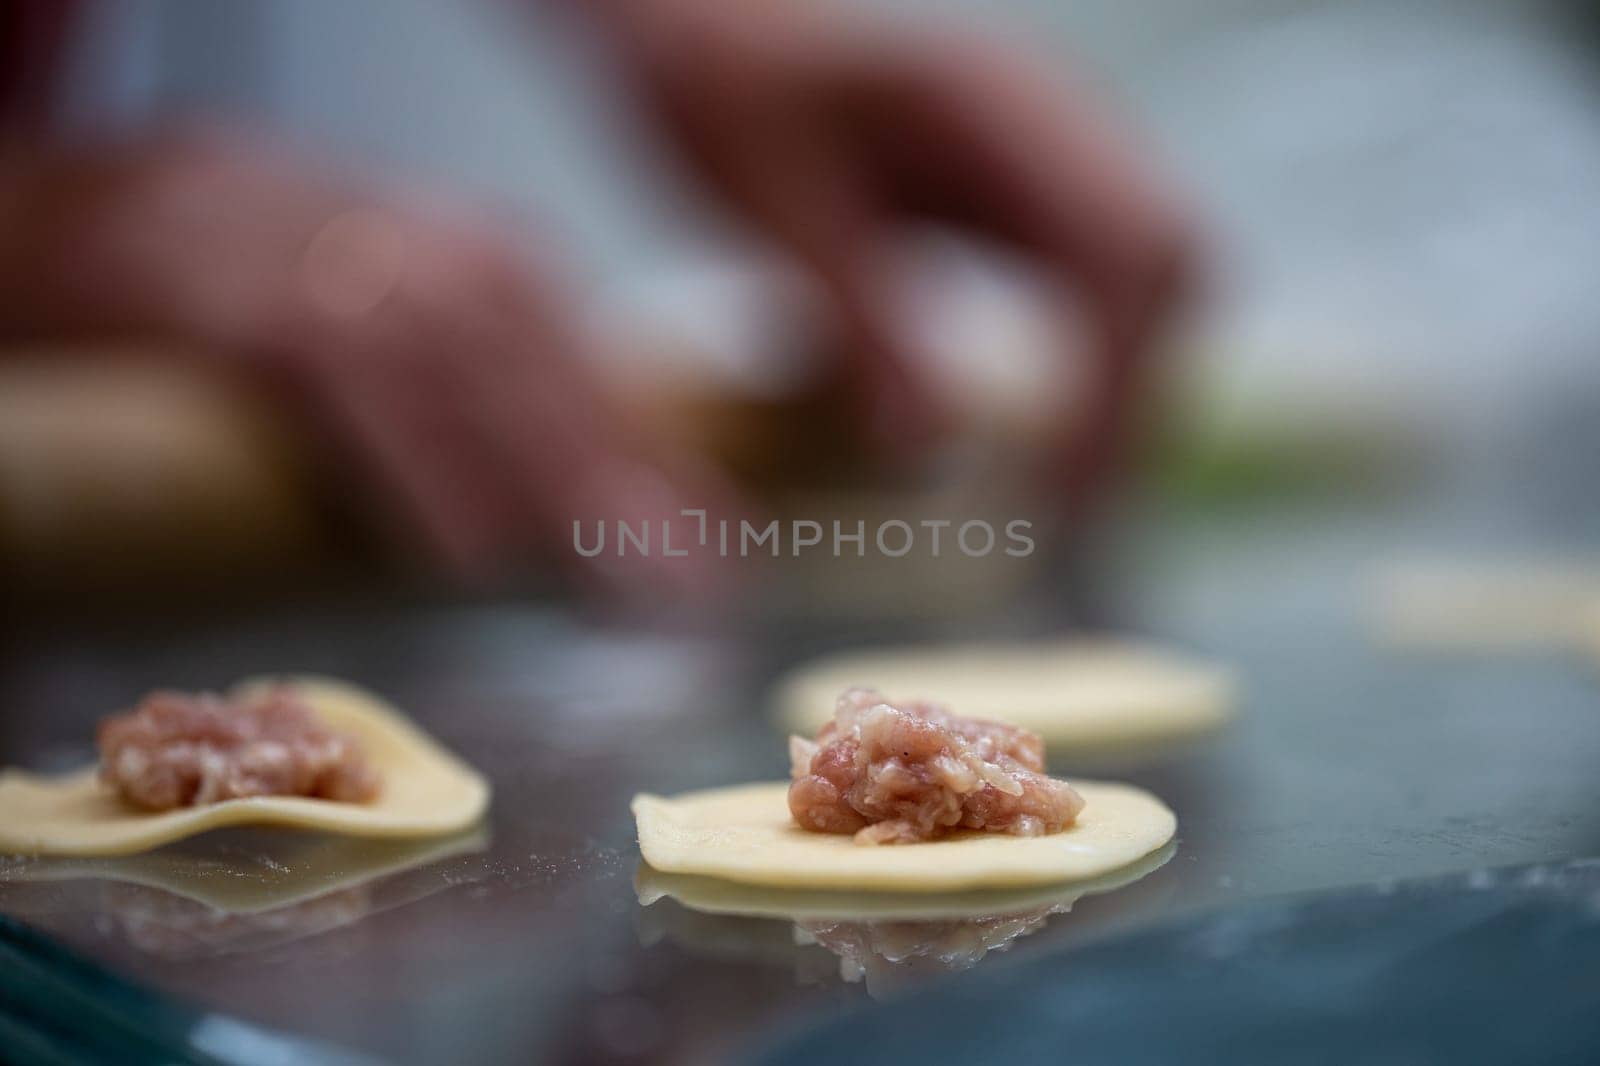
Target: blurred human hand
[830,133]
[444,366]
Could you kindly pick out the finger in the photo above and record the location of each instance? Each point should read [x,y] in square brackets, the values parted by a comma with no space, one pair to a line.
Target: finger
[582,463]
[1036,167]
[562,454]
[385,409]
[902,416]
[812,203]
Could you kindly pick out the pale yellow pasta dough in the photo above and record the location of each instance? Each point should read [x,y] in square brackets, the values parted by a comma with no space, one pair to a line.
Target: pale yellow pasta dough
[1075,694]
[744,833]
[426,791]
[1489,606]
[714,895]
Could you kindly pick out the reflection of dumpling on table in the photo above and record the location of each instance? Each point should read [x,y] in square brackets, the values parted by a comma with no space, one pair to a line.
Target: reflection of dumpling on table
[883,955]
[236,891]
[881,939]
[173,927]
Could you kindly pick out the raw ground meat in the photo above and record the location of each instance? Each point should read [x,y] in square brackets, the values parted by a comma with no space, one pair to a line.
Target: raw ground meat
[900,774]
[181,750]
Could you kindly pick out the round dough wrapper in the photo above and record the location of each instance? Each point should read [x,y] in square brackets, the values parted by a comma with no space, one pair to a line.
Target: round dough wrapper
[744,833]
[714,895]
[426,791]
[1074,694]
[1489,606]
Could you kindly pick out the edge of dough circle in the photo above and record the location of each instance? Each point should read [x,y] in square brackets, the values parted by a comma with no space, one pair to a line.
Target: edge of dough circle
[744,833]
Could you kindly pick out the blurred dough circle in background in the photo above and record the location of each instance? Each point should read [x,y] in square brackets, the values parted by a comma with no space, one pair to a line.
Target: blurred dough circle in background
[1077,694]
[1490,606]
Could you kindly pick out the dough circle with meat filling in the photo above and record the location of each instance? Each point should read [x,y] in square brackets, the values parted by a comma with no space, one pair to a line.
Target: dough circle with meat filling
[1075,694]
[744,833]
[426,791]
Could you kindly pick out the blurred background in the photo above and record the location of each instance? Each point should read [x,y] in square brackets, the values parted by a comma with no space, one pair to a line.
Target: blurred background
[1390,361]
[1397,200]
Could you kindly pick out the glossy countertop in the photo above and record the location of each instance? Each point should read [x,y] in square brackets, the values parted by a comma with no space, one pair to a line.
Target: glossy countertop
[1351,763]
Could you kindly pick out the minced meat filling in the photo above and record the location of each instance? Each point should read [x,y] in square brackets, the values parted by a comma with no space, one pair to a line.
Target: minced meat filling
[181,750]
[899,774]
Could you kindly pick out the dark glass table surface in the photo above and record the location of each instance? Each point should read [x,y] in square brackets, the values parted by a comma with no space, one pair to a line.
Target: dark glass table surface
[1349,764]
